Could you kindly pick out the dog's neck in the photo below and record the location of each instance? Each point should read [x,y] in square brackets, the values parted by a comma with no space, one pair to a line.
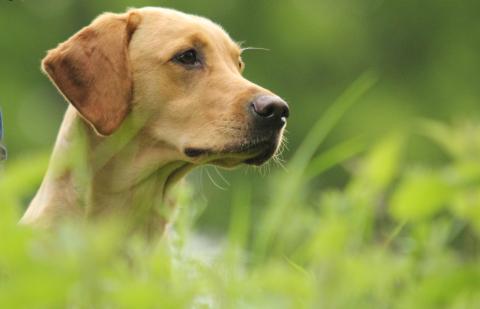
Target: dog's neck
[126,174]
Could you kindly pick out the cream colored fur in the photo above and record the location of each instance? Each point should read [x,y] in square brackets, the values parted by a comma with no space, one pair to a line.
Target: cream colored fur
[133,113]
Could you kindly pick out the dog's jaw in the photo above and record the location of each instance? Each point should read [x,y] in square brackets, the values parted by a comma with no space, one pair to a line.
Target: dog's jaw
[252,150]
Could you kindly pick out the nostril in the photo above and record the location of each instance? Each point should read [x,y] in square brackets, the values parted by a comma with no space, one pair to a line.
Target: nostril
[270,107]
[263,110]
[285,111]
[268,111]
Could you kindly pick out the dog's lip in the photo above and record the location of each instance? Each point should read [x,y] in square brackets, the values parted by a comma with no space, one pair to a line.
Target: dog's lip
[193,152]
[263,157]
[248,150]
[250,147]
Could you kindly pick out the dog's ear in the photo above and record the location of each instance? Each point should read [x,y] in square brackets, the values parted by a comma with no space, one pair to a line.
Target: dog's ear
[92,71]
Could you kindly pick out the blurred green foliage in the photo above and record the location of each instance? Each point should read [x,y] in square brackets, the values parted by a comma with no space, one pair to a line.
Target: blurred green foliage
[398,235]
[376,207]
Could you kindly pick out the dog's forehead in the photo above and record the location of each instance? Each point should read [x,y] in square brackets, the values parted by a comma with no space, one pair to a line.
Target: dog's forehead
[177,24]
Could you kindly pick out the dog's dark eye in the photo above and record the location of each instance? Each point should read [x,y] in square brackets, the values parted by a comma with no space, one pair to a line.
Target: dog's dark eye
[188,58]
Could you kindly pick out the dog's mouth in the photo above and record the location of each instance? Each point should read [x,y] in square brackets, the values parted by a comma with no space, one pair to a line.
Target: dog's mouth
[254,151]
[264,153]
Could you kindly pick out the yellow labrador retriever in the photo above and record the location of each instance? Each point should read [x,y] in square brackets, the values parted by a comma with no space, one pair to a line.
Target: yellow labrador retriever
[153,93]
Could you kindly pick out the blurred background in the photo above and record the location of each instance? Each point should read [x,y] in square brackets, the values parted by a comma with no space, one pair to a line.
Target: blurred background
[424,52]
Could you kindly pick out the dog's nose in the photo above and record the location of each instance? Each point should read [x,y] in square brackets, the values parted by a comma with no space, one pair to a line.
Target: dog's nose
[270,110]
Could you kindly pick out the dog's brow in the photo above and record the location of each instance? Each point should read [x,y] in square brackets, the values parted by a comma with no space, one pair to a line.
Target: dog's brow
[198,38]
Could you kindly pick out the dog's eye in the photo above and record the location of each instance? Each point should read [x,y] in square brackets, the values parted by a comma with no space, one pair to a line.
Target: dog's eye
[188,58]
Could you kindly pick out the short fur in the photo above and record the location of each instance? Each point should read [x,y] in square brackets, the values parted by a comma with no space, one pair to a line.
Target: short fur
[134,112]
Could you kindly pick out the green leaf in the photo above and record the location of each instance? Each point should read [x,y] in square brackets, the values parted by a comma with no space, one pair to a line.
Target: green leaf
[420,195]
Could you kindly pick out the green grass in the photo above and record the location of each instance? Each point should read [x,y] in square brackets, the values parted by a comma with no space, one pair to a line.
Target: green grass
[402,233]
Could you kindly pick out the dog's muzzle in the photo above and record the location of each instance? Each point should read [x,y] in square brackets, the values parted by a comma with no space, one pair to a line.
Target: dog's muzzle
[267,117]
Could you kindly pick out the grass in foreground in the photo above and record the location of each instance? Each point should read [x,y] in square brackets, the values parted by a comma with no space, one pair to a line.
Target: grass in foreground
[400,234]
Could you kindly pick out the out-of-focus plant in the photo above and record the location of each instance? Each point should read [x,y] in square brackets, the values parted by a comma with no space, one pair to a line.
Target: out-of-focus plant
[399,234]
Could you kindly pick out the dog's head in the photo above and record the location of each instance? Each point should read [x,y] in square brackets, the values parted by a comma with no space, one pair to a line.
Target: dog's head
[183,71]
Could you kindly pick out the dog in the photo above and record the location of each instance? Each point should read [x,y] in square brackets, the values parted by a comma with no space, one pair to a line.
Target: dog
[152,93]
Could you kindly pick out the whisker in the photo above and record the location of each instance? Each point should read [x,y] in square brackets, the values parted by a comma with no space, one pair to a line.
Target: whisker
[213,181]
[253,48]
[221,176]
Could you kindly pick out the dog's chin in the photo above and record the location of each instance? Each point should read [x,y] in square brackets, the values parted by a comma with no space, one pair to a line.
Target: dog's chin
[263,156]
[233,155]
[257,158]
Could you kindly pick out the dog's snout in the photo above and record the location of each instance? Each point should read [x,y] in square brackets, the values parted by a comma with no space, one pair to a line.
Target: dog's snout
[270,110]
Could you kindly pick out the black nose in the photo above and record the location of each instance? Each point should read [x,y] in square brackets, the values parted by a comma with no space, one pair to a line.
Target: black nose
[270,110]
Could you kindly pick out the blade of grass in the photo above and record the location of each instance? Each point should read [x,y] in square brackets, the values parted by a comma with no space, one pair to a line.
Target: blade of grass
[325,124]
[333,156]
[239,223]
[289,186]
